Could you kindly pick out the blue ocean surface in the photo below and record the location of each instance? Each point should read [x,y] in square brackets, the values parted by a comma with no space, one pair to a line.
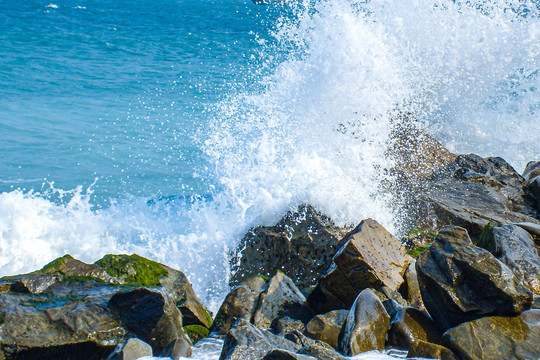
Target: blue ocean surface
[169,128]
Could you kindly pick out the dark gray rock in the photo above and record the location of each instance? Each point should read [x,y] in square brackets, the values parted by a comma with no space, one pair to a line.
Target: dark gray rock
[369,256]
[286,355]
[246,342]
[131,350]
[327,327]
[278,298]
[301,245]
[366,325]
[515,247]
[532,183]
[319,349]
[423,349]
[151,316]
[241,302]
[461,282]
[410,325]
[497,338]
[71,320]
[412,287]
[471,192]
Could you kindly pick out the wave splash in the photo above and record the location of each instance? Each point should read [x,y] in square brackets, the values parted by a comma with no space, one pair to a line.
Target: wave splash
[313,127]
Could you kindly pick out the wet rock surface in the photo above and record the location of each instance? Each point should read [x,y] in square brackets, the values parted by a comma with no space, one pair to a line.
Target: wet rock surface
[301,245]
[327,327]
[497,337]
[461,282]
[369,257]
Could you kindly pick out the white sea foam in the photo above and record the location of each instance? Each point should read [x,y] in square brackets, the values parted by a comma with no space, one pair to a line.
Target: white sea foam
[52,6]
[314,128]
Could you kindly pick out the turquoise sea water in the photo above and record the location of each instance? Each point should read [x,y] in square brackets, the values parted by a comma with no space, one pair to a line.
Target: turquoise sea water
[168,128]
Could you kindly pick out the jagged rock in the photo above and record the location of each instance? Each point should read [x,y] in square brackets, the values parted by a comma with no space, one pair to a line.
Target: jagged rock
[246,342]
[151,316]
[280,354]
[280,297]
[139,271]
[285,325]
[423,349]
[461,282]
[366,325]
[385,293]
[131,350]
[73,320]
[327,327]
[368,257]
[497,338]
[536,302]
[301,245]
[410,325]
[411,287]
[471,192]
[514,247]
[239,303]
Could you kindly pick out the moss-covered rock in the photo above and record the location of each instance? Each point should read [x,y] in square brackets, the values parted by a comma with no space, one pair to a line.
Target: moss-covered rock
[196,332]
[138,271]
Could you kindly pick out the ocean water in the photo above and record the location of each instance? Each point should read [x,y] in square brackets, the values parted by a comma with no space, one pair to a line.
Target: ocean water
[170,128]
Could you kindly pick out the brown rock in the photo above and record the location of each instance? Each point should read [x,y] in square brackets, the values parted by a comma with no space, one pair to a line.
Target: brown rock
[327,327]
[423,349]
[410,325]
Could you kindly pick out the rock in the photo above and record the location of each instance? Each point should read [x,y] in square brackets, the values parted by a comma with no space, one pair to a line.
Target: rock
[495,337]
[63,269]
[285,325]
[151,316]
[532,183]
[411,287]
[239,303]
[368,257]
[422,349]
[461,282]
[301,245]
[536,302]
[385,293]
[410,325]
[196,332]
[471,192]
[327,327]
[246,342]
[131,350]
[280,354]
[416,153]
[514,247]
[181,347]
[74,320]
[280,297]
[139,271]
[366,325]
[315,348]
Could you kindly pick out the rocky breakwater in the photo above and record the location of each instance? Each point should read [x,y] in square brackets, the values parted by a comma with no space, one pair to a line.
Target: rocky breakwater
[463,286]
[121,307]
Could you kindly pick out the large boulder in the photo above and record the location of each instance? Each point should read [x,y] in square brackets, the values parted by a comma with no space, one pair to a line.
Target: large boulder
[318,349]
[471,192]
[515,247]
[246,342]
[497,338]
[74,320]
[131,350]
[369,257]
[461,282]
[152,317]
[366,325]
[327,327]
[139,271]
[301,245]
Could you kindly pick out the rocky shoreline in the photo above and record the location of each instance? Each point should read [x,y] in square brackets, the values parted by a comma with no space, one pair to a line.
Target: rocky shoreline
[463,284]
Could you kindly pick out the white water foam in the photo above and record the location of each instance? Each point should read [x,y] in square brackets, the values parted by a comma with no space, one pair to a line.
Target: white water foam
[314,128]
